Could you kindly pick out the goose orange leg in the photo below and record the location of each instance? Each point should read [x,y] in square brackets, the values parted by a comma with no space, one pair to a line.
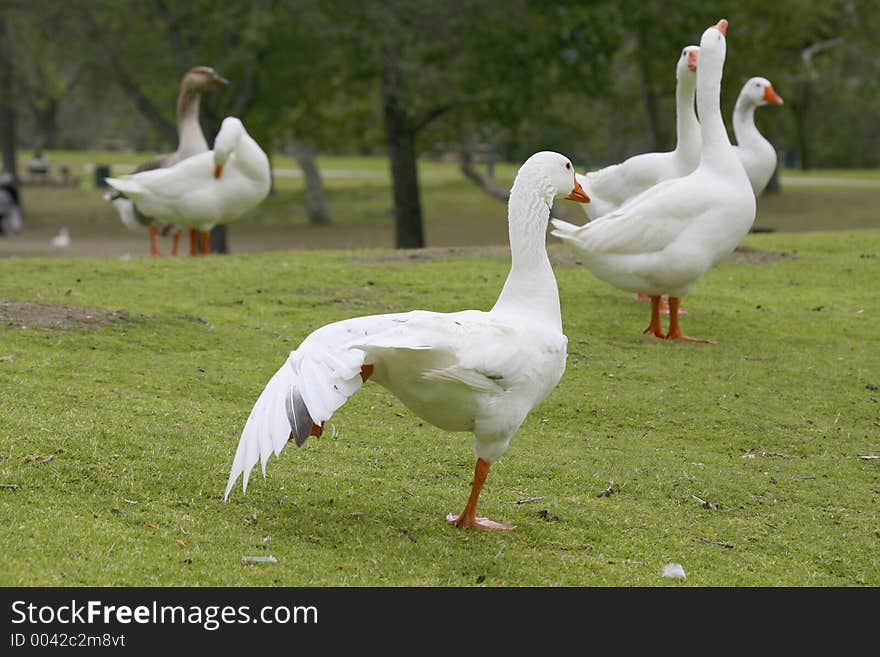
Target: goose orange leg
[664,306]
[176,243]
[655,327]
[675,328]
[194,241]
[154,242]
[206,242]
[468,517]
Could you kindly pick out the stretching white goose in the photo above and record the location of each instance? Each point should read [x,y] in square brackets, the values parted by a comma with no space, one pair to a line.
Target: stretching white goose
[215,187]
[758,156]
[611,187]
[662,241]
[191,141]
[465,371]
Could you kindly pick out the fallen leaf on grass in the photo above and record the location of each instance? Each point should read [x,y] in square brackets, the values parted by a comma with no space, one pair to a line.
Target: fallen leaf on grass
[707,505]
[546,515]
[180,544]
[608,492]
[39,459]
[673,571]
[527,500]
[151,525]
[6,359]
[266,559]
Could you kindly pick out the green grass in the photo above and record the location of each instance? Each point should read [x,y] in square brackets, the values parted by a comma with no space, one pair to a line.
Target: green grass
[143,415]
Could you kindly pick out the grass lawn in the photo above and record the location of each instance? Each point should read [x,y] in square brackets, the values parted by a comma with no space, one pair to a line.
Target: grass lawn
[124,392]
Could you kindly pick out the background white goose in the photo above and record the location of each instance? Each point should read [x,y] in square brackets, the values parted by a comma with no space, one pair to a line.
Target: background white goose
[611,187]
[662,241]
[466,371]
[191,141]
[758,156]
[215,187]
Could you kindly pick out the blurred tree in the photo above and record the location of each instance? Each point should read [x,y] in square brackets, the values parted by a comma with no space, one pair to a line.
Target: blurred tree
[7,95]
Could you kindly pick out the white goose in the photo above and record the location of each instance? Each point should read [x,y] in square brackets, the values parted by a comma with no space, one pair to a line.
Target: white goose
[204,190]
[611,187]
[758,156]
[662,241]
[465,371]
[191,141]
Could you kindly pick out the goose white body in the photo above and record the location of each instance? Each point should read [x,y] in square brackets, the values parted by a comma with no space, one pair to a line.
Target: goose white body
[477,371]
[663,240]
[755,152]
[609,188]
[188,194]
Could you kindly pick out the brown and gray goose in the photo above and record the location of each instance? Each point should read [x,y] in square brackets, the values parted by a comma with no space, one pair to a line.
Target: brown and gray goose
[191,141]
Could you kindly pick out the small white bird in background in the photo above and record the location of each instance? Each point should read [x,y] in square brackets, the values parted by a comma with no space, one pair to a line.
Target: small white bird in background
[62,240]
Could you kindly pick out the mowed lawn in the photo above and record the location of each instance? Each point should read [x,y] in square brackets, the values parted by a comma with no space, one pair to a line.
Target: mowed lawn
[750,462]
[124,384]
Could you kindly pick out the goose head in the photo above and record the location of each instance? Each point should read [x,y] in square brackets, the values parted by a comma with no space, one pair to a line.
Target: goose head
[713,43]
[687,63]
[231,131]
[553,174]
[759,92]
[203,78]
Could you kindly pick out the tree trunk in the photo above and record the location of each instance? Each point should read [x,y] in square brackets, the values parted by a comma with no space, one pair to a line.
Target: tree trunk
[7,107]
[47,122]
[799,109]
[649,94]
[401,136]
[316,201]
[483,180]
[218,239]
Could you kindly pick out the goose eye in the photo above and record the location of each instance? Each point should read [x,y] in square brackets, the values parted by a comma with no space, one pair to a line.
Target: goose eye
[568,165]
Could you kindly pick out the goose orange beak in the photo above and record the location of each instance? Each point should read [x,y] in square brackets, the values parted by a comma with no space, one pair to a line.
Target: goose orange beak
[722,26]
[218,169]
[692,60]
[578,194]
[771,96]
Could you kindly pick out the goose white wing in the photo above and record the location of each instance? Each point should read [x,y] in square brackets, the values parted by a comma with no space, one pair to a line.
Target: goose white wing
[470,347]
[316,379]
[647,223]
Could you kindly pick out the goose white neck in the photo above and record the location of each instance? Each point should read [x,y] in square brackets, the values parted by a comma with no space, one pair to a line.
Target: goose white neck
[191,140]
[687,126]
[716,148]
[530,288]
[744,127]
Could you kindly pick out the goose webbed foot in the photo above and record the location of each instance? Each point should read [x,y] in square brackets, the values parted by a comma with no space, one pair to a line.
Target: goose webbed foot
[468,517]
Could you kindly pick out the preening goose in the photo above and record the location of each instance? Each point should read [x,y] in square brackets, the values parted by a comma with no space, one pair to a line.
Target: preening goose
[663,240]
[202,191]
[611,187]
[472,370]
[191,141]
[758,156]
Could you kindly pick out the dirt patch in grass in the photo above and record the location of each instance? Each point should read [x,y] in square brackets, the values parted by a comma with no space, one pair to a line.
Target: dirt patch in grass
[433,253]
[748,255]
[26,314]
[559,255]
